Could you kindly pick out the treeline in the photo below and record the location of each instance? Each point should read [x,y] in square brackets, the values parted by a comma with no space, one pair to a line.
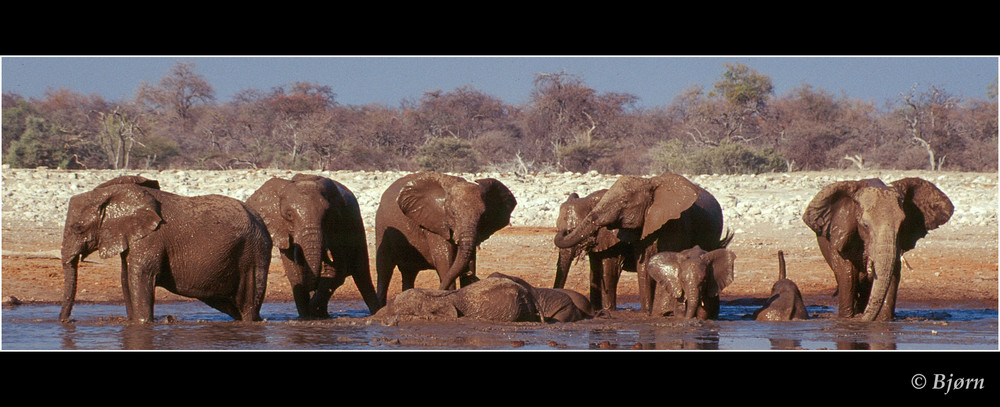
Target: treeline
[737,126]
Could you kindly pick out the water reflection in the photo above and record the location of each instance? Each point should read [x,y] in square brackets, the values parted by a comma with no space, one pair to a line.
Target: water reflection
[189,326]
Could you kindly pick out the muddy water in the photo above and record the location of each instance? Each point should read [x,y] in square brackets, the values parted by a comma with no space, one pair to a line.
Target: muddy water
[195,326]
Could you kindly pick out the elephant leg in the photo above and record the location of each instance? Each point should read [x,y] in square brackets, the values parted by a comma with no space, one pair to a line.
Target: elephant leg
[409,278]
[612,273]
[846,275]
[363,280]
[710,308]
[126,293]
[253,284]
[384,265]
[324,291]
[597,277]
[300,293]
[646,284]
[141,276]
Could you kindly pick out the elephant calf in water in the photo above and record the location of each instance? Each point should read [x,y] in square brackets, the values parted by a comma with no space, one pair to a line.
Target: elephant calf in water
[785,302]
[499,298]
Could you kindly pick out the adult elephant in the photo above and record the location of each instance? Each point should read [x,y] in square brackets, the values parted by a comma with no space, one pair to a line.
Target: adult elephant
[661,213]
[863,228]
[315,223]
[213,248]
[430,220]
[606,253]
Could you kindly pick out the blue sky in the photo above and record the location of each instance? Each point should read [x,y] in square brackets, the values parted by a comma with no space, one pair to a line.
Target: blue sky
[393,79]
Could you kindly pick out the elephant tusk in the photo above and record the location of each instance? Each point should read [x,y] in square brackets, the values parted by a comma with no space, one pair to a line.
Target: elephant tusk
[905,262]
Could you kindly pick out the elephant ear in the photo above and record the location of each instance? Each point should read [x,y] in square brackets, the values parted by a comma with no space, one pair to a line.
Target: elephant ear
[832,213]
[664,268]
[127,214]
[926,208]
[721,262]
[266,200]
[672,195]
[499,202]
[422,199]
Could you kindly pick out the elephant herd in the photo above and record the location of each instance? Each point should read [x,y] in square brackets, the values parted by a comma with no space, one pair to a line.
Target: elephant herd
[665,228]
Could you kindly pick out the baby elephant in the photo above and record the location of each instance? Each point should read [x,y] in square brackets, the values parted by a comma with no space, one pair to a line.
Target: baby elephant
[499,298]
[688,283]
[555,304]
[786,300]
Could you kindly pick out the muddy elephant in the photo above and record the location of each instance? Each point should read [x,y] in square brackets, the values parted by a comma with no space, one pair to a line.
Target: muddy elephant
[607,254]
[490,299]
[689,282]
[662,213]
[316,224]
[435,221]
[555,304]
[213,248]
[785,302]
[863,228]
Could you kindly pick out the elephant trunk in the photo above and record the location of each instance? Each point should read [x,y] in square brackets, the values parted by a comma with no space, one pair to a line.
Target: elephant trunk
[466,248]
[311,243]
[881,265]
[563,264]
[692,304]
[70,266]
[568,239]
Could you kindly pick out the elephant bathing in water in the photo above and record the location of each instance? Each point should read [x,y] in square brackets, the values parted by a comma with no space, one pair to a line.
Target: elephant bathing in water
[785,302]
[863,228]
[213,248]
[662,213]
[315,223]
[435,221]
[499,297]
[689,281]
[607,254]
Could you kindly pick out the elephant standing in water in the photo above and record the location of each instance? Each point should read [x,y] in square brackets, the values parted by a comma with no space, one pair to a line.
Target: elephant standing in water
[785,302]
[316,224]
[435,221]
[689,281]
[662,213]
[863,228]
[607,254]
[213,248]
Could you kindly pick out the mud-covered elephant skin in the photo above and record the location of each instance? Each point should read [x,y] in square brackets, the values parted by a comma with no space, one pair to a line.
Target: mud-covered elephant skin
[863,228]
[689,281]
[662,213]
[607,254]
[785,302]
[316,224]
[213,248]
[490,299]
[435,221]
[555,304]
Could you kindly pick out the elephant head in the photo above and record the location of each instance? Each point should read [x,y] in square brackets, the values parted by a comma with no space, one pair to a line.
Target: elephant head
[107,219]
[640,207]
[690,281]
[462,212]
[870,225]
[302,215]
[571,214]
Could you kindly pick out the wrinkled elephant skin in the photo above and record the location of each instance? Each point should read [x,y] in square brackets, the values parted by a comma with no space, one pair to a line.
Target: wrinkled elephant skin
[435,221]
[785,302]
[689,282]
[213,248]
[863,228]
[316,224]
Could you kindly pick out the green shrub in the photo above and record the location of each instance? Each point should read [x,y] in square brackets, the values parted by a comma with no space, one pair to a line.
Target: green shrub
[725,158]
[447,154]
